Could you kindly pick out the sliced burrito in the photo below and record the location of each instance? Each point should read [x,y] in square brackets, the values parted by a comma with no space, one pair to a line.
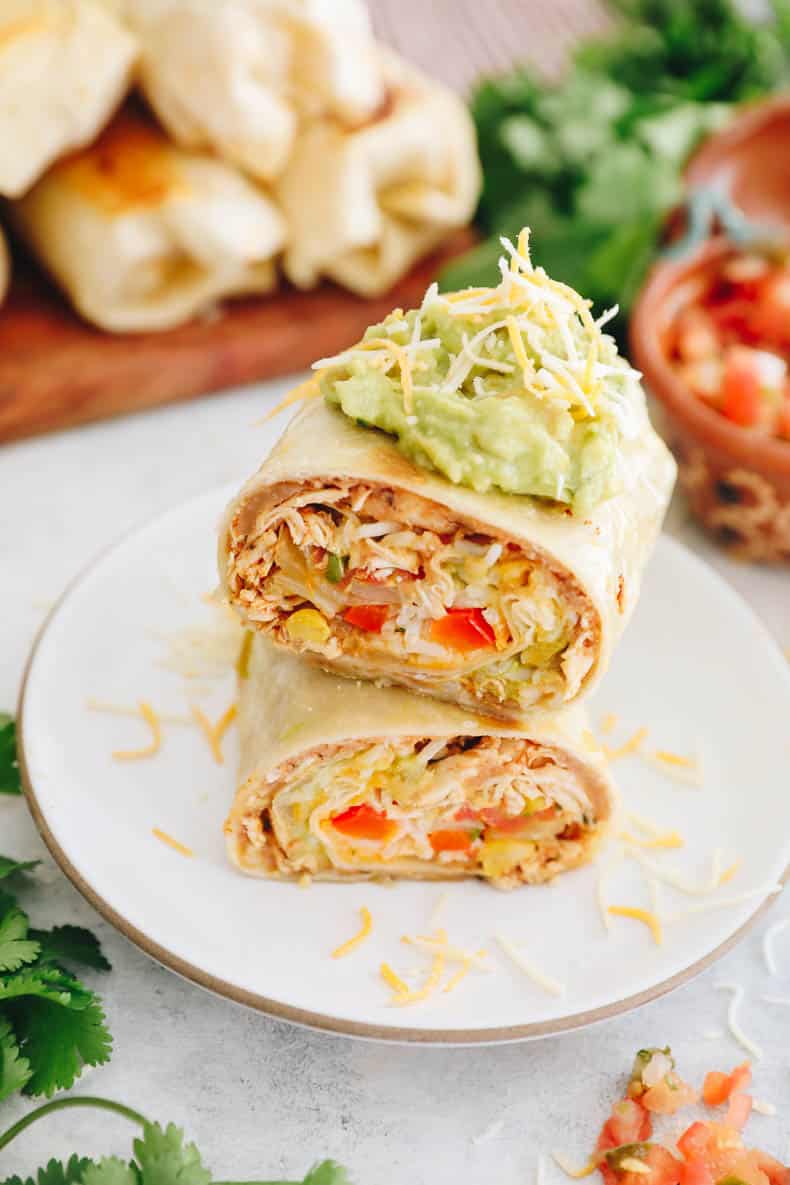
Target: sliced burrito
[65,65]
[142,235]
[345,781]
[237,76]
[364,203]
[364,558]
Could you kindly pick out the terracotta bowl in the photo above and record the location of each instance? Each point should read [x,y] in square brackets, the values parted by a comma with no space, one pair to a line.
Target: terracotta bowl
[738,483]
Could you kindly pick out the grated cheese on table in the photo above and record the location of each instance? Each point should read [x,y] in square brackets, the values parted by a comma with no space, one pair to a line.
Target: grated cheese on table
[768,944]
[747,1043]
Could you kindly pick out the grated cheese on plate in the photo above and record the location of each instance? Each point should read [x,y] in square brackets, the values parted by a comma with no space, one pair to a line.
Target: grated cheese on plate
[646,916]
[181,848]
[365,930]
[214,732]
[550,985]
[147,713]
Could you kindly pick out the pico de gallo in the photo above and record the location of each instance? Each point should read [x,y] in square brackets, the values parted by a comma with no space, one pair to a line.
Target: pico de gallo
[730,341]
[708,1152]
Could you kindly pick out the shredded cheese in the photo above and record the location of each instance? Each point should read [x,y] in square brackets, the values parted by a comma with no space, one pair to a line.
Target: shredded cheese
[460,974]
[306,390]
[152,720]
[609,723]
[762,1107]
[577,1174]
[392,980]
[685,770]
[455,954]
[346,948]
[768,944]
[730,872]
[438,909]
[96,705]
[214,732]
[630,747]
[646,916]
[550,985]
[723,903]
[427,989]
[243,661]
[181,848]
[737,991]
[669,839]
[671,876]
[493,1130]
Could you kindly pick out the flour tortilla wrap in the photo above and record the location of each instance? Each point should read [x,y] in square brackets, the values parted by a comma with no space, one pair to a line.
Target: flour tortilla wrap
[142,235]
[345,781]
[573,580]
[65,65]
[238,76]
[363,203]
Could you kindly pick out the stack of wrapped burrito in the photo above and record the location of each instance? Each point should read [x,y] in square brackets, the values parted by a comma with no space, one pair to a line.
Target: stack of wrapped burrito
[158,155]
[434,565]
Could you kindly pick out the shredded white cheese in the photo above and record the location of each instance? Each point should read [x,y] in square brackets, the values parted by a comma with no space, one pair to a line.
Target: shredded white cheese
[491,1132]
[745,1042]
[763,1108]
[552,986]
[724,903]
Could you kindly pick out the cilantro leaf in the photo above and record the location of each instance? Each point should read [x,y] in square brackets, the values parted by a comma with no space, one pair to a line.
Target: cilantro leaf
[70,944]
[16,948]
[59,1040]
[9,867]
[49,983]
[328,1172]
[15,1070]
[109,1171]
[56,1173]
[165,1159]
[10,782]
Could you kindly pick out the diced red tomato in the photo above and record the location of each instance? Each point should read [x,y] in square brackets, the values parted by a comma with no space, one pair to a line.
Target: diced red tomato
[783,419]
[739,1110]
[364,822]
[467,814]
[775,1171]
[719,1087]
[741,390]
[694,1141]
[629,1123]
[668,1096]
[463,630]
[665,1169]
[770,316]
[695,1172]
[367,617]
[451,840]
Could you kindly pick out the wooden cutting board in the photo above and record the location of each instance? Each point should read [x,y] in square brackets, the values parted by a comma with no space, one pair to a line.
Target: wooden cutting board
[57,371]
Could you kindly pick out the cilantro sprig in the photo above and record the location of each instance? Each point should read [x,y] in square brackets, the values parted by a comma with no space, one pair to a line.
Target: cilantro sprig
[51,1024]
[593,163]
[10,782]
[160,1156]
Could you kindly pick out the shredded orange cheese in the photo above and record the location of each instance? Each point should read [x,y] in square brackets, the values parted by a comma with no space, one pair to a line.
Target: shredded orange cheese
[670,839]
[646,916]
[152,720]
[181,848]
[306,390]
[367,925]
[609,723]
[631,746]
[392,980]
[670,758]
[214,732]
[730,872]
[461,973]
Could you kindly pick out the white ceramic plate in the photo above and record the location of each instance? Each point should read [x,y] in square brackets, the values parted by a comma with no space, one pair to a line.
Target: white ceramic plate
[695,666]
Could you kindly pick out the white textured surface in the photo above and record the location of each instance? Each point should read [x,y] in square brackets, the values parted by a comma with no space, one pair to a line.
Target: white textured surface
[258,1097]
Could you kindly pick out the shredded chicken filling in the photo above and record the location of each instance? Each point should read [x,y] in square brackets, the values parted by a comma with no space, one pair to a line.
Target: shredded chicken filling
[501,808]
[351,570]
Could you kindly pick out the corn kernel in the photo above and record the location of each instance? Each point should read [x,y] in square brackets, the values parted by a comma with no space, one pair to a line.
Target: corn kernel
[307,625]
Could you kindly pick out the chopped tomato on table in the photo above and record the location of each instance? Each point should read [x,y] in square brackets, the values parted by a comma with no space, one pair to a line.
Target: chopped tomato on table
[364,822]
[718,1087]
[463,630]
[367,617]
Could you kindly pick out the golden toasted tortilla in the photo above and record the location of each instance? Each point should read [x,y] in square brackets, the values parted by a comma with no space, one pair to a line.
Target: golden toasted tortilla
[5,267]
[348,781]
[65,65]
[238,76]
[142,235]
[363,203]
[563,585]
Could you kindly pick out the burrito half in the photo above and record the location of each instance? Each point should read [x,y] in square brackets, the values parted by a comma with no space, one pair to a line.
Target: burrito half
[237,76]
[348,781]
[5,267]
[65,65]
[364,203]
[142,235]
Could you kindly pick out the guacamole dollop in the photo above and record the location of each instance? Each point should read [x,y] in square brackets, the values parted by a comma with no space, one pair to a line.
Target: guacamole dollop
[512,388]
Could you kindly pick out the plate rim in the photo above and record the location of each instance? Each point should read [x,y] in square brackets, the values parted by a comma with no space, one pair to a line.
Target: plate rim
[307,1018]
